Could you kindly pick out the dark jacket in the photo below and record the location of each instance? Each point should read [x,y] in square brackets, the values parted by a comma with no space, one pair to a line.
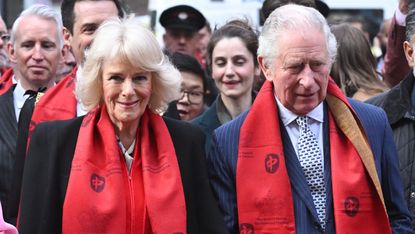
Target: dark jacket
[8,137]
[401,115]
[224,156]
[208,122]
[47,170]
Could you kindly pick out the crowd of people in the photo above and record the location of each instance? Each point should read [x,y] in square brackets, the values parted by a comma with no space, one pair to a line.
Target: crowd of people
[296,127]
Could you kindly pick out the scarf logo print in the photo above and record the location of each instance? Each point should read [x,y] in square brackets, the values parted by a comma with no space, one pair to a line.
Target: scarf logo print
[272,162]
[351,206]
[97,183]
[246,228]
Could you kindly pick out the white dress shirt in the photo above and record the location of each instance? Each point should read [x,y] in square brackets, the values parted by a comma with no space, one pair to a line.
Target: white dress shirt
[316,119]
[19,99]
[128,153]
[80,109]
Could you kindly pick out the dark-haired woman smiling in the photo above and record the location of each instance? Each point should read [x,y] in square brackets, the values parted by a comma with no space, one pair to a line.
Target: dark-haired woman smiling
[231,56]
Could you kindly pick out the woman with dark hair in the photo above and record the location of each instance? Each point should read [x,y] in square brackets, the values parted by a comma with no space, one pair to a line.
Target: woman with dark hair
[355,67]
[231,56]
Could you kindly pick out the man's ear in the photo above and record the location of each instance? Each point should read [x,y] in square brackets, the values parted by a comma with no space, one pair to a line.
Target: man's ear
[265,68]
[409,53]
[64,51]
[12,52]
[67,36]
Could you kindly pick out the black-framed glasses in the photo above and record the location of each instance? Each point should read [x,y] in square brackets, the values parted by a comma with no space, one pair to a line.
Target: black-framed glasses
[4,36]
[194,97]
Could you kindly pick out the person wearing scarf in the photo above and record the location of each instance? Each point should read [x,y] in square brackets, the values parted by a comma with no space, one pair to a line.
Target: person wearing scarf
[256,172]
[122,168]
[6,80]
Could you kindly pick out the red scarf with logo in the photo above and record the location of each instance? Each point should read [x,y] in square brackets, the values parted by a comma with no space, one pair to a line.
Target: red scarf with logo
[6,80]
[102,197]
[58,103]
[263,187]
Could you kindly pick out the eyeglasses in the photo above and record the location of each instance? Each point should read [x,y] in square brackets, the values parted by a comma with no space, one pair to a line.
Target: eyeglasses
[4,36]
[194,97]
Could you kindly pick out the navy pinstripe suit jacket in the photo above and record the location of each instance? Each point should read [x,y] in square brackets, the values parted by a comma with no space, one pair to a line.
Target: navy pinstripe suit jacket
[223,158]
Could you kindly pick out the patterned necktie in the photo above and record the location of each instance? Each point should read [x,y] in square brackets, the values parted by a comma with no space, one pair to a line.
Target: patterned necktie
[310,160]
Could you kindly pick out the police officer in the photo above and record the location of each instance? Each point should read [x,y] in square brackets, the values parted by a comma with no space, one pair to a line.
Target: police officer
[181,23]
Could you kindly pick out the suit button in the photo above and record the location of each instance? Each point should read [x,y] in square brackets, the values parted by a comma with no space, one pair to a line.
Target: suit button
[413,195]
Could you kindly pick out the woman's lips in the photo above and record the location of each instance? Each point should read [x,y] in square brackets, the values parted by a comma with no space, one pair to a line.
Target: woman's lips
[128,104]
[230,84]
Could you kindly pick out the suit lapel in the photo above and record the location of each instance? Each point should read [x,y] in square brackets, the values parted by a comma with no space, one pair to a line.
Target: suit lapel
[8,123]
[327,166]
[296,174]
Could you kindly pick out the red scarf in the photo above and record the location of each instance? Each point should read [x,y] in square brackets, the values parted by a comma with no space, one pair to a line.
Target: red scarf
[267,207]
[58,103]
[6,80]
[102,197]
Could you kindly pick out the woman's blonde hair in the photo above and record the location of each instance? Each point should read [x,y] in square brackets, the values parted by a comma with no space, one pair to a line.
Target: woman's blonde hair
[126,38]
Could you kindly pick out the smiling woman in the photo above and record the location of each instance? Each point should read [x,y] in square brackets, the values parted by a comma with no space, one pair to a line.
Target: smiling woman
[232,56]
[122,167]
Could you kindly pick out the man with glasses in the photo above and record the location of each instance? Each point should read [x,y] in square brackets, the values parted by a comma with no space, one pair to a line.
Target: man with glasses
[6,73]
[191,104]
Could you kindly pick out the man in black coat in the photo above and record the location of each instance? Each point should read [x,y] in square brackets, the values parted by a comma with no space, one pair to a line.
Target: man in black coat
[399,105]
[35,50]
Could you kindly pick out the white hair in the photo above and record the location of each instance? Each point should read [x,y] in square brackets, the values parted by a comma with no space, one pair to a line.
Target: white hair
[127,38]
[44,12]
[295,18]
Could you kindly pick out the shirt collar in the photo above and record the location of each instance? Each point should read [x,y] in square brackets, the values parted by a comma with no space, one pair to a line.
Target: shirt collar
[223,114]
[14,80]
[18,95]
[126,152]
[131,149]
[287,117]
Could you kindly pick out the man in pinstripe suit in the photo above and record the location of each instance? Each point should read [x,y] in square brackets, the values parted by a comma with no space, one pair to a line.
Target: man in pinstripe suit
[260,162]
[35,50]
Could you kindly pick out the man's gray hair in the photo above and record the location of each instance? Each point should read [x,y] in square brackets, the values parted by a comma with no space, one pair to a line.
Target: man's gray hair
[41,11]
[293,18]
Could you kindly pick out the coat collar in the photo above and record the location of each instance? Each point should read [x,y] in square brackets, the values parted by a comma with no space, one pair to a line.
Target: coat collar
[397,101]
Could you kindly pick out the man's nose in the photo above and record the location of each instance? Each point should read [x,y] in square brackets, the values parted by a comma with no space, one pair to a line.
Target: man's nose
[307,76]
[37,53]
